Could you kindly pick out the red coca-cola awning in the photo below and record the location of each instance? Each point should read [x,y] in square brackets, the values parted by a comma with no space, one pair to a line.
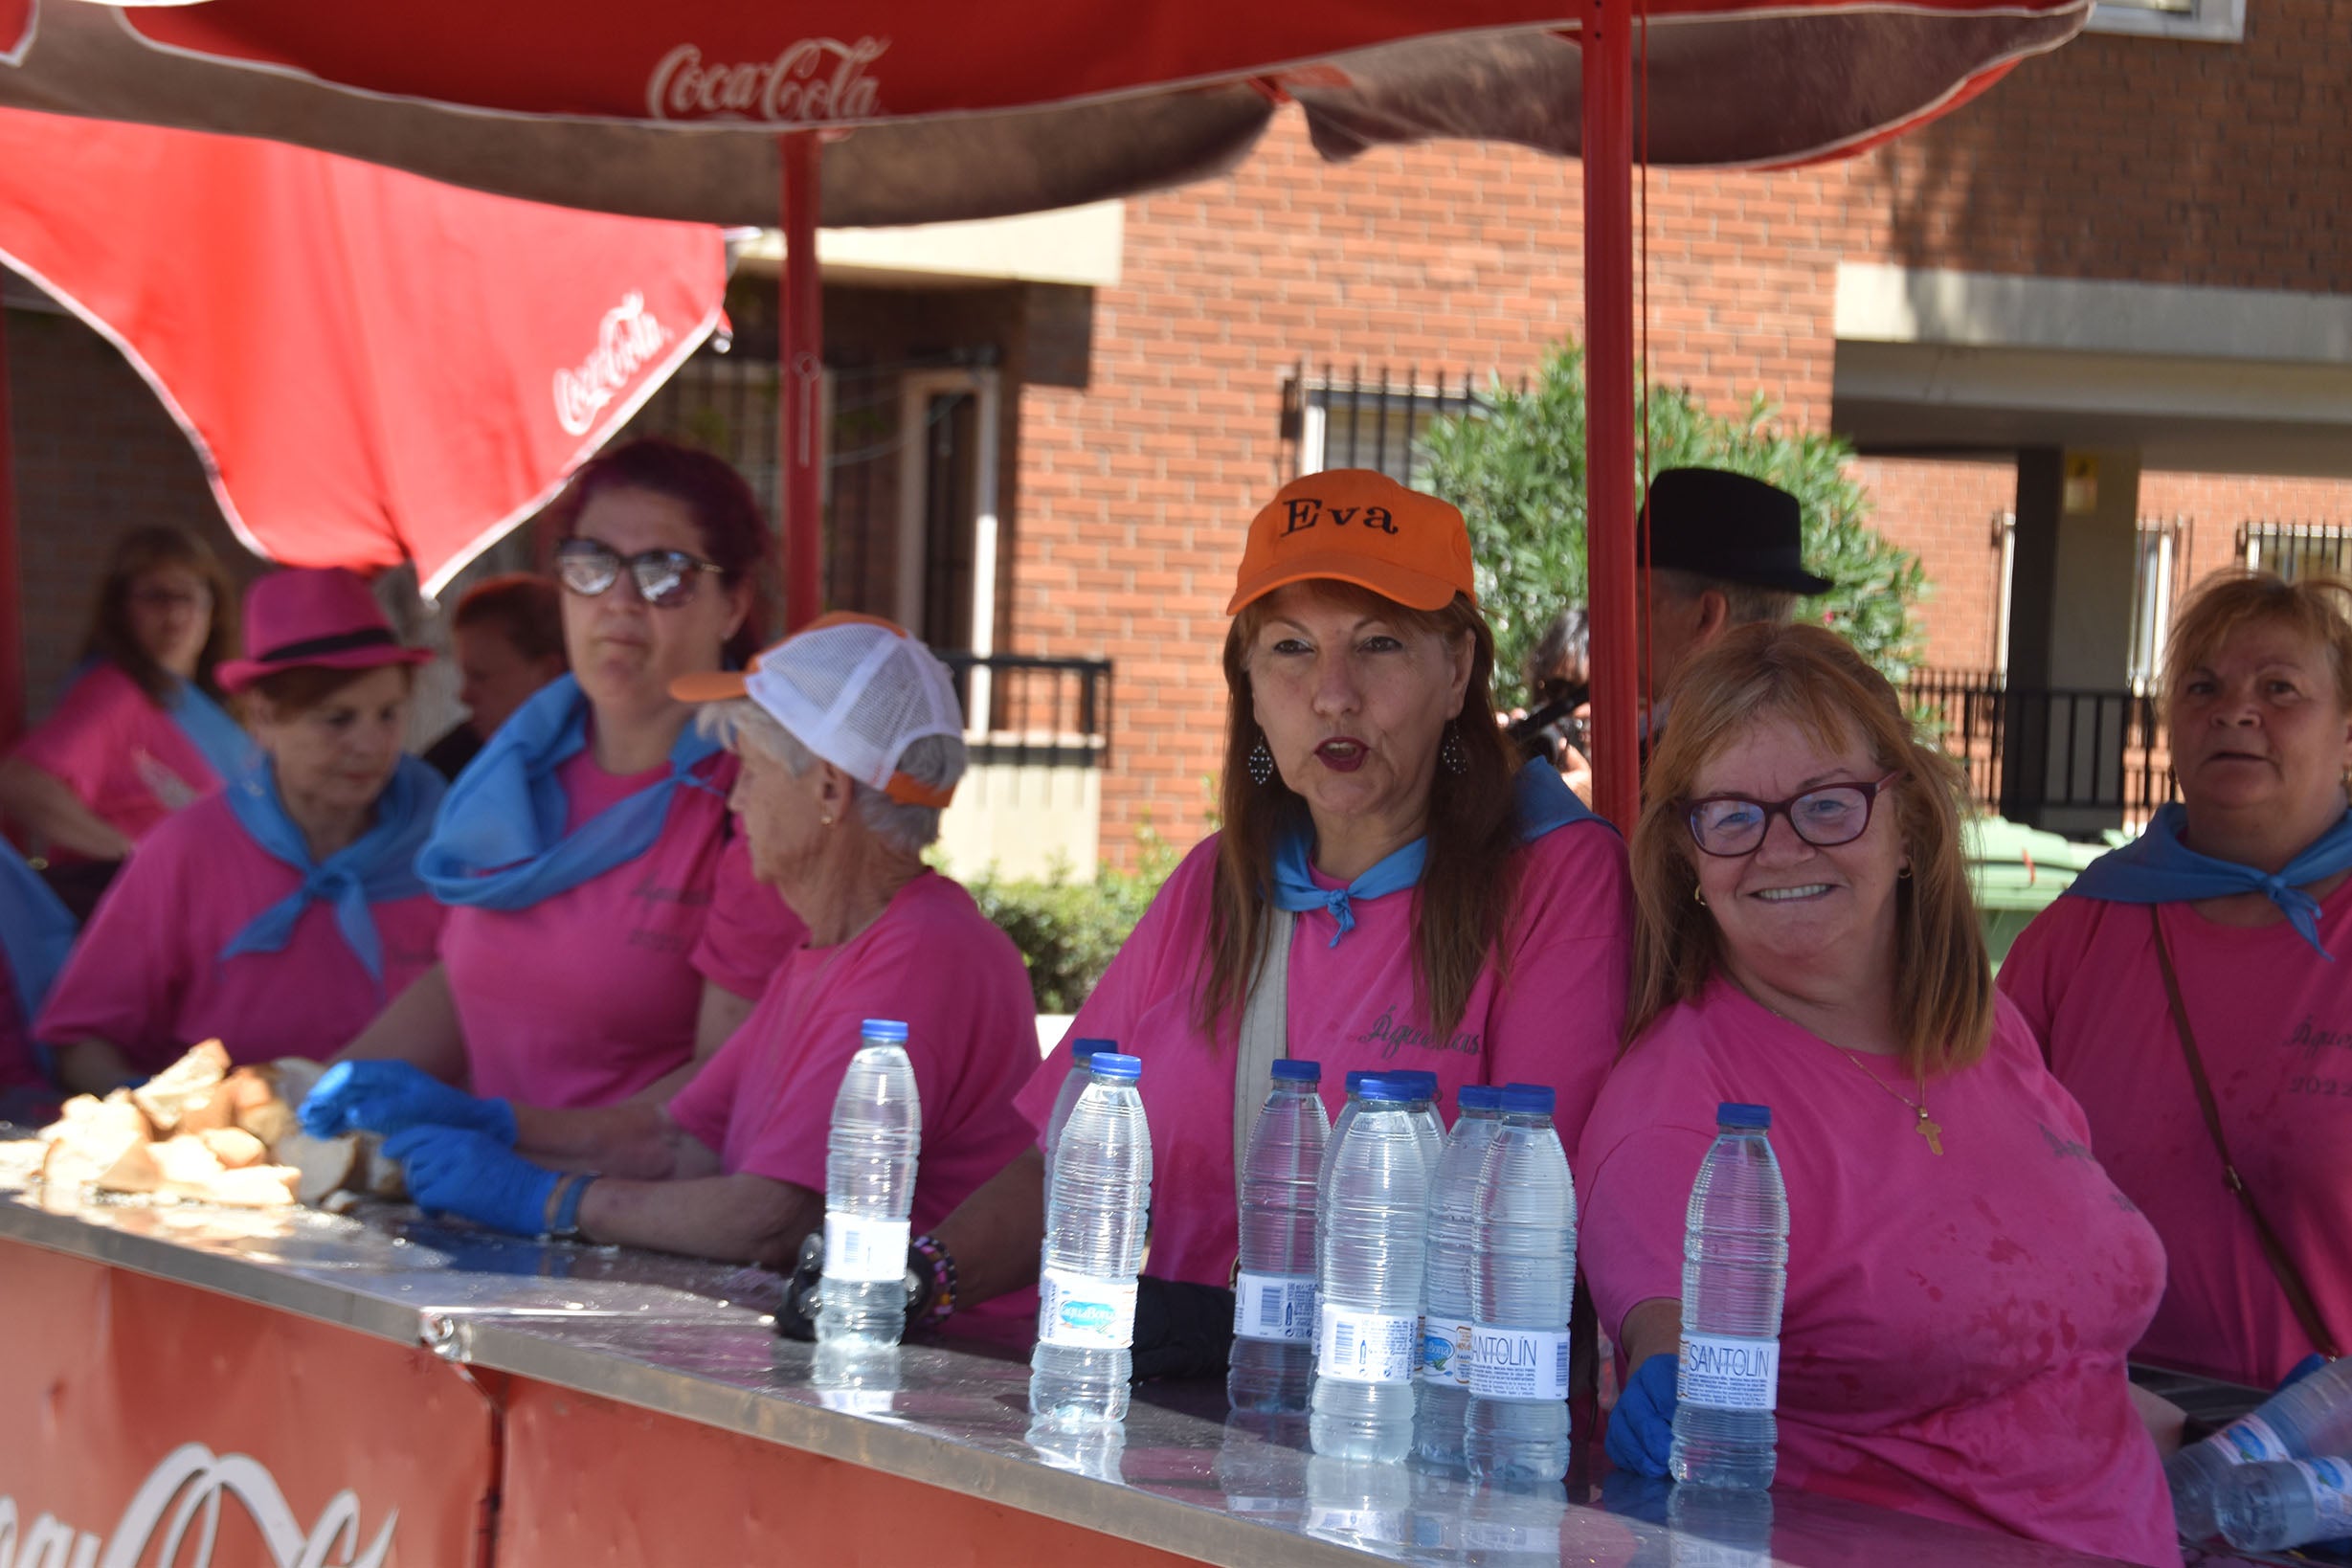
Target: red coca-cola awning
[937,110]
[373,368]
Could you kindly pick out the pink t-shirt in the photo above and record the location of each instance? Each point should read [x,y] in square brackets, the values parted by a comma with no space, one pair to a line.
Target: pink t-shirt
[934,963]
[751,928]
[1956,1327]
[1353,1007]
[2273,1024]
[586,997]
[124,757]
[147,974]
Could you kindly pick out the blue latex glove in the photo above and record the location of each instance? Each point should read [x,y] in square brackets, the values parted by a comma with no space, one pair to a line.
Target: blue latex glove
[453,1170]
[394,1096]
[1641,1426]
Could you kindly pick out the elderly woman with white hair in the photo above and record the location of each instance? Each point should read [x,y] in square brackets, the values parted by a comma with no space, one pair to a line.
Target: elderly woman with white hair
[851,744]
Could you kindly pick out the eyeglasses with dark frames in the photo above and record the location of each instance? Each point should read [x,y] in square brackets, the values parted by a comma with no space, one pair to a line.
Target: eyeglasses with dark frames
[1729,826]
[666,578]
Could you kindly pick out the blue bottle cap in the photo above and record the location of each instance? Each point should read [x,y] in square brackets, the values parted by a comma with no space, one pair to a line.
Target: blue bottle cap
[1355,1081]
[1293,1070]
[889,1031]
[1111,1064]
[1391,1090]
[1731,1114]
[1478,1097]
[1527,1100]
[1080,1049]
[1424,1083]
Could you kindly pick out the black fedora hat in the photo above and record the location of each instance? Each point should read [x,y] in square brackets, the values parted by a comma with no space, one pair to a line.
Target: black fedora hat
[1727,526]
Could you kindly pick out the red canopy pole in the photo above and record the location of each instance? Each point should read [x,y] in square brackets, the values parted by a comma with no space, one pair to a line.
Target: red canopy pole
[11,579]
[1606,40]
[800,361]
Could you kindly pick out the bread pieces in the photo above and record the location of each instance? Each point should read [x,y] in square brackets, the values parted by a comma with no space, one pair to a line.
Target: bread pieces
[325,1165]
[235,1148]
[186,1086]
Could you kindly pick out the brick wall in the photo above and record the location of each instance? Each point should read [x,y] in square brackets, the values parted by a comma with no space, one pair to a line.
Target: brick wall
[96,456]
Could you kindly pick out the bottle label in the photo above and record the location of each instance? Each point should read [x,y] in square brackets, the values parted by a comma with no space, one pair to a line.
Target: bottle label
[1365,1347]
[1723,1373]
[1078,1311]
[863,1251]
[1445,1353]
[2249,1440]
[1518,1363]
[2331,1496]
[1280,1307]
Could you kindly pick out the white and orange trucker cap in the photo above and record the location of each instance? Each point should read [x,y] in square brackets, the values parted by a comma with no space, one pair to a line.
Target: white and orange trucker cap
[856,690]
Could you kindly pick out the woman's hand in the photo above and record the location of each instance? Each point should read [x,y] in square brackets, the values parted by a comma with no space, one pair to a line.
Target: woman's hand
[48,806]
[1641,1426]
[388,1096]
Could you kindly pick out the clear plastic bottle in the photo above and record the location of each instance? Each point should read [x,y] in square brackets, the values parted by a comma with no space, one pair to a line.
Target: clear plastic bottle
[2279,1503]
[1442,1383]
[1073,1083]
[870,1190]
[1426,1118]
[2310,1417]
[1348,1109]
[1735,1274]
[1274,1360]
[1368,1291]
[1523,1274]
[1096,1197]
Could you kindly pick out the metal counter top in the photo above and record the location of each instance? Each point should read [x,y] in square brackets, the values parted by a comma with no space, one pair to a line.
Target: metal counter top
[693,1341]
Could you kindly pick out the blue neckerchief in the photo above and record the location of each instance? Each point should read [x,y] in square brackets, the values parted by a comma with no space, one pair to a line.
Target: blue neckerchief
[1542,799]
[2158,868]
[211,730]
[376,867]
[499,843]
[36,931]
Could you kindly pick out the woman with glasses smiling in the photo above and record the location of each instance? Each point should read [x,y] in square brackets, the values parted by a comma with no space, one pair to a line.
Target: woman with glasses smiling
[604,934]
[1963,1280]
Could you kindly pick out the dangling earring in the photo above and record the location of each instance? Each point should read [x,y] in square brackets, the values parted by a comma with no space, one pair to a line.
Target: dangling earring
[1261,762]
[1696,897]
[1449,750]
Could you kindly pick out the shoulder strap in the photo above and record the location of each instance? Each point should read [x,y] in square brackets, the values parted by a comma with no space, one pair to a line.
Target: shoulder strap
[2290,1278]
[1266,1033]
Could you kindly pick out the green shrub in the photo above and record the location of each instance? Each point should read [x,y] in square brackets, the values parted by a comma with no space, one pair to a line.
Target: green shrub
[1069,931]
[1517,469]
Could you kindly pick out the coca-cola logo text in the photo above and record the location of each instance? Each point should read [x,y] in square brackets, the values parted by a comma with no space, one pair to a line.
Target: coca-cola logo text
[198,1478]
[813,80]
[627,340]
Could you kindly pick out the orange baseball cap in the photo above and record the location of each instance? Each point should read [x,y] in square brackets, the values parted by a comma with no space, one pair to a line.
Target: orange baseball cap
[1354,525]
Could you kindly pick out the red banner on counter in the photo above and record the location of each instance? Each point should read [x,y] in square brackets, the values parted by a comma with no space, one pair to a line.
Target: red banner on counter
[152,1421]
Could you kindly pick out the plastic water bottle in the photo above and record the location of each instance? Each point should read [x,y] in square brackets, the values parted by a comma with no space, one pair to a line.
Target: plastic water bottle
[1358,1503]
[1442,1383]
[869,1191]
[1073,1082]
[1273,1366]
[1522,1282]
[1735,1273]
[1096,1197]
[2280,1502]
[1348,1110]
[1426,1118]
[2309,1419]
[1368,1295]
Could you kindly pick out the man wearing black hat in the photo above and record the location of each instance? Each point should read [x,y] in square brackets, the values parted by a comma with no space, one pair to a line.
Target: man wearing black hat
[1724,550]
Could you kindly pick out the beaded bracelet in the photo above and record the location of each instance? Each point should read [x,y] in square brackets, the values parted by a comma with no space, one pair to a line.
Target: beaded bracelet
[942,1266]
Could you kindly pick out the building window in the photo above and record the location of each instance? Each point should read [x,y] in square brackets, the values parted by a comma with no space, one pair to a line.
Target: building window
[2296,549]
[1378,423]
[2212,21]
[2156,582]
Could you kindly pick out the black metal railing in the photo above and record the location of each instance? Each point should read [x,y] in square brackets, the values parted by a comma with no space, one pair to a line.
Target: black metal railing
[2025,749]
[1348,418]
[1030,711]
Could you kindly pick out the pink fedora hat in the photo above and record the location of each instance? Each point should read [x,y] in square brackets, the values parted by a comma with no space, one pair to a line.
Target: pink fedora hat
[313,615]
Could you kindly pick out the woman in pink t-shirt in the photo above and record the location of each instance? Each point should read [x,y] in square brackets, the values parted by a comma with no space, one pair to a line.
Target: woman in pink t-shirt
[1437,907]
[138,733]
[842,790]
[1963,1281]
[2245,887]
[580,851]
[276,914]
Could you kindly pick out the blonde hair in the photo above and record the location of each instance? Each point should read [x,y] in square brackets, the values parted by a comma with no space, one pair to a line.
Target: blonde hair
[1812,679]
[2316,609]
